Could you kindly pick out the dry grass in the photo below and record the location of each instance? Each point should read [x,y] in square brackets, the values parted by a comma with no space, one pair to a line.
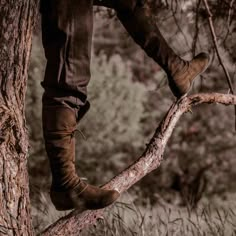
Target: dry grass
[213,218]
[217,218]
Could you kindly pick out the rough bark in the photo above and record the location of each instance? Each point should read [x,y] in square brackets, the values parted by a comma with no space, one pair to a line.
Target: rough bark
[150,160]
[16,24]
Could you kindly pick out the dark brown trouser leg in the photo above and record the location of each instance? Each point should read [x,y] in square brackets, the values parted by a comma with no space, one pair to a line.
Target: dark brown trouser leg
[139,22]
[66,35]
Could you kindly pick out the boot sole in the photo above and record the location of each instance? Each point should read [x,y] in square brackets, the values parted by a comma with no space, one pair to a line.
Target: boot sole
[83,205]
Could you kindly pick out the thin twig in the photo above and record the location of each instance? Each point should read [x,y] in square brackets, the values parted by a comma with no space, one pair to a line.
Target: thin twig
[214,39]
[194,43]
[230,13]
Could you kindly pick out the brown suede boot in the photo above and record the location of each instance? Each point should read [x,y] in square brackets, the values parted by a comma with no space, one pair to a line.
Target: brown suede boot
[139,22]
[68,191]
[181,81]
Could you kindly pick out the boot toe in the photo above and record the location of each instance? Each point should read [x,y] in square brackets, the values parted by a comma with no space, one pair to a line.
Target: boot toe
[102,200]
[182,82]
[110,197]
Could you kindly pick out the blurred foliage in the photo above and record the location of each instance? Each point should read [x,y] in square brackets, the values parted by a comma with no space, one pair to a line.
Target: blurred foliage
[129,96]
[112,128]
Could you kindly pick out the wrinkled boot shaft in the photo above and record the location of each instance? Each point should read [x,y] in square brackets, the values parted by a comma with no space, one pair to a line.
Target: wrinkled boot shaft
[59,124]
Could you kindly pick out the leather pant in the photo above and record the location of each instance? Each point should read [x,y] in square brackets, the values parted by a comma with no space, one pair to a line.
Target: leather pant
[66,35]
[67,27]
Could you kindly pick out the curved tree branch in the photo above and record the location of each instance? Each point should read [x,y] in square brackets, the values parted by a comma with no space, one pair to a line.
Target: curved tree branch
[73,223]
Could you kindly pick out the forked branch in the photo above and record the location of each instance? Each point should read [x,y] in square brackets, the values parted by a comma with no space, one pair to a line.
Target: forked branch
[73,223]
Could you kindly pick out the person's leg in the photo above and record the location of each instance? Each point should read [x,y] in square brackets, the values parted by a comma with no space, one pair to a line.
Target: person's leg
[66,34]
[138,20]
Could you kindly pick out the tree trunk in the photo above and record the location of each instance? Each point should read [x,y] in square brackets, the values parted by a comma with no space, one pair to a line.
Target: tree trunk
[16,25]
